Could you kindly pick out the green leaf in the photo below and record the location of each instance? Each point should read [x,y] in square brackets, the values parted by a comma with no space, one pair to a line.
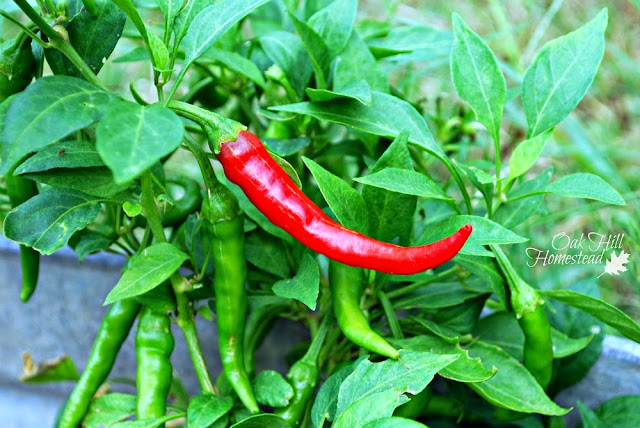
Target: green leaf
[576,323]
[487,269]
[109,409]
[526,154]
[387,117]
[564,346]
[356,62]
[599,309]
[132,209]
[189,10]
[131,138]
[287,52]
[316,49]
[271,389]
[345,201]
[134,55]
[513,213]
[448,335]
[47,111]
[561,73]
[160,54]
[264,420]
[477,76]
[464,369]
[304,286]
[149,422]
[411,374]
[267,253]
[211,23]
[589,418]
[502,329]
[130,10]
[621,412]
[358,90]
[170,9]
[485,232]
[334,24]
[434,296]
[238,64]
[92,181]
[65,154]
[91,242]
[513,387]
[584,185]
[394,422]
[47,221]
[422,39]
[406,182]
[57,370]
[286,147]
[147,270]
[326,402]
[461,318]
[480,179]
[205,409]
[390,213]
[93,36]
[377,405]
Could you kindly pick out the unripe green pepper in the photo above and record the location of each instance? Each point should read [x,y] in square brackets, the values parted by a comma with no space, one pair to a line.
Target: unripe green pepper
[17,66]
[113,331]
[346,291]
[187,204]
[154,344]
[277,129]
[303,377]
[527,306]
[227,227]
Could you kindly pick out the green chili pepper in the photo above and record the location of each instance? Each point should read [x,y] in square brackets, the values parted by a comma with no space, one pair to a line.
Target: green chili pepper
[227,227]
[113,331]
[187,204]
[277,129]
[346,291]
[538,348]
[527,305]
[303,377]
[17,65]
[20,190]
[154,344]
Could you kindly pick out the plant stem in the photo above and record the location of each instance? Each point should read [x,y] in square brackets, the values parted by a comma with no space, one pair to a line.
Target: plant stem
[209,176]
[24,28]
[185,319]
[394,325]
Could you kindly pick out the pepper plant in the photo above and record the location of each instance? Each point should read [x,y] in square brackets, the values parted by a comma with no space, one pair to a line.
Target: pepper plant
[326,192]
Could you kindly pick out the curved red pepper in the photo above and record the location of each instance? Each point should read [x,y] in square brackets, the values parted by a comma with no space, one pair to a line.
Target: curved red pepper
[247,163]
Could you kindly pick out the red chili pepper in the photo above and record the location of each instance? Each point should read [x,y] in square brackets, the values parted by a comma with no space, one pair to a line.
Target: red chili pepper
[247,163]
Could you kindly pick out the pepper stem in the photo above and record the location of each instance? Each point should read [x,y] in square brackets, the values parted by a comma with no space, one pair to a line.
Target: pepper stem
[311,356]
[217,128]
[524,298]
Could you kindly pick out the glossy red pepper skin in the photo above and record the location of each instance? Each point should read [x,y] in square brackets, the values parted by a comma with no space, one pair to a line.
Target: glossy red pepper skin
[247,163]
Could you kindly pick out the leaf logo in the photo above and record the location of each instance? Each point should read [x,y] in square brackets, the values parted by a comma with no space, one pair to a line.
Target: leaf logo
[616,264]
